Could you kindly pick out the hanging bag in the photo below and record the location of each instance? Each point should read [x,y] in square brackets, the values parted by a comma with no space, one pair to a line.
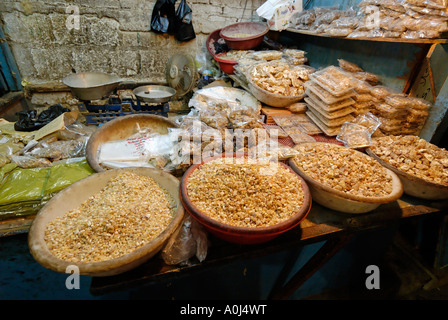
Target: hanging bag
[184,23]
[163,17]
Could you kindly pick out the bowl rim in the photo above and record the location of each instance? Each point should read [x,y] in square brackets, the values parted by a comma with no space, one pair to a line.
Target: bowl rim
[210,38]
[397,187]
[114,80]
[219,59]
[91,155]
[281,227]
[255,36]
[43,255]
[405,175]
[275,95]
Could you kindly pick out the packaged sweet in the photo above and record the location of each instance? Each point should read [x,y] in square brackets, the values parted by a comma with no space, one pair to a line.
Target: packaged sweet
[349,66]
[369,121]
[334,80]
[298,138]
[354,136]
[338,32]
[298,107]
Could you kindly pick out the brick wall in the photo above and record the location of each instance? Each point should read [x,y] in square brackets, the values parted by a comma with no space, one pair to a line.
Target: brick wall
[114,36]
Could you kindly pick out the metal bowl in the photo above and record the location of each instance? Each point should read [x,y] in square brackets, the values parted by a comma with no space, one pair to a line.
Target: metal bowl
[88,86]
[154,93]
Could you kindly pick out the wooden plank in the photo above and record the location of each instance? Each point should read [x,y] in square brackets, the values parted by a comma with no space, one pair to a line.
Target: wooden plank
[321,224]
[379,39]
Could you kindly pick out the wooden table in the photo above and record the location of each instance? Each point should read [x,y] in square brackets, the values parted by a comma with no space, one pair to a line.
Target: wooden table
[321,224]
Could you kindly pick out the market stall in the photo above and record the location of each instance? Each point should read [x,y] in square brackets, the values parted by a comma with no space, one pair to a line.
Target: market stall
[282,155]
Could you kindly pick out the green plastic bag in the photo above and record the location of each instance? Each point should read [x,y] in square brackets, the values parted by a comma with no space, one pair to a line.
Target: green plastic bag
[25,191]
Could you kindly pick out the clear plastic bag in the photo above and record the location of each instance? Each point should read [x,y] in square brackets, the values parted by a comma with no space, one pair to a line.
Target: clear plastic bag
[28,162]
[338,32]
[354,136]
[334,80]
[188,241]
[349,66]
[299,138]
[324,95]
[368,121]
[421,34]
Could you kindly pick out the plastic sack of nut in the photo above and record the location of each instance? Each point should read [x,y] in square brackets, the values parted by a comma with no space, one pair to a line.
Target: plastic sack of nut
[188,241]
[354,136]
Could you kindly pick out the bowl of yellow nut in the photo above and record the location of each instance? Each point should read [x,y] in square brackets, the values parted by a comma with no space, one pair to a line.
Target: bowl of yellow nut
[244,200]
[421,166]
[107,223]
[345,179]
[276,83]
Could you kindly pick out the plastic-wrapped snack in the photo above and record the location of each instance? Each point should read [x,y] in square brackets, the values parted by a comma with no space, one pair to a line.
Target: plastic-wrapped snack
[298,107]
[276,131]
[386,12]
[321,28]
[302,72]
[338,32]
[419,103]
[433,24]
[298,138]
[244,118]
[369,77]
[215,120]
[358,34]
[334,80]
[330,107]
[392,24]
[354,136]
[295,53]
[283,120]
[312,87]
[299,118]
[381,92]
[293,129]
[421,34]
[421,10]
[417,115]
[369,121]
[303,19]
[398,101]
[432,4]
[349,66]
[310,128]
[363,97]
[328,17]
[4,160]
[346,22]
[295,61]
[28,162]
[333,114]
[387,111]
[267,55]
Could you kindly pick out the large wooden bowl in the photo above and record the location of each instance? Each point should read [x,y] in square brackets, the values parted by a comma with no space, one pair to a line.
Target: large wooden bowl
[414,186]
[242,235]
[342,201]
[121,128]
[72,196]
